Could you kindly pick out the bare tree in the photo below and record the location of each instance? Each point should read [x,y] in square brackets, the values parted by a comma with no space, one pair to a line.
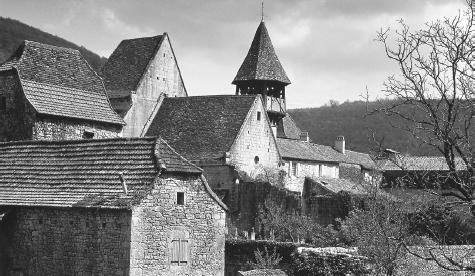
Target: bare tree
[435,90]
[434,96]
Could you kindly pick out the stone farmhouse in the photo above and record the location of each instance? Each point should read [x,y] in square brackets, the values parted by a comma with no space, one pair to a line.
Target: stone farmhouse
[138,75]
[106,207]
[221,134]
[51,93]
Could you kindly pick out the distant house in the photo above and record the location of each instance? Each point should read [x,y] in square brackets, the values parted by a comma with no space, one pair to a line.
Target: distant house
[106,207]
[302,158]
[221,134]
[138,75]
[51,93]
[400,170]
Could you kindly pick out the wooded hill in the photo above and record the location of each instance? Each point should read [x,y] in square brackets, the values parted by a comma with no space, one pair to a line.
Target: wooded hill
[14,32]
[349,119]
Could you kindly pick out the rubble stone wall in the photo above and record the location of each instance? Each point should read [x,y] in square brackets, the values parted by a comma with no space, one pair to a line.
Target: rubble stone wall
[16,122]
[159,219]
[67,129]
[255,140]
[66,241]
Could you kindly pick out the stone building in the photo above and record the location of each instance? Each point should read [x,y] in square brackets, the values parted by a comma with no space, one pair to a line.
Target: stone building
[106,207]
[138,75]
[222,134]
[51,93]
[302,159]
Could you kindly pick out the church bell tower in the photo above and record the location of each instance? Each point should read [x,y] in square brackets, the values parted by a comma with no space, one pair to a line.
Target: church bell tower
[261,73]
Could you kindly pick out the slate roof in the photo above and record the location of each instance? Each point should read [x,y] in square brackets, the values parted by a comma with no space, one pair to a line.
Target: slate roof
[261,62]
[202,127]
[418,163]
[300,150]
[287,128]
[263,272]
[84,173]
[336,185]
[127,64]
[59,81]
[359,158]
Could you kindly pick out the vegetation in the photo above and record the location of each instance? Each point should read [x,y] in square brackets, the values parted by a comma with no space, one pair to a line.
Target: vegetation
[350,119]
[13,33]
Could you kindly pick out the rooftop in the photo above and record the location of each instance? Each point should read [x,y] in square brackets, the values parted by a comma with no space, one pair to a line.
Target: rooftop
[202,127]
[84,173]
[59,81]
[261,62]
[127,64]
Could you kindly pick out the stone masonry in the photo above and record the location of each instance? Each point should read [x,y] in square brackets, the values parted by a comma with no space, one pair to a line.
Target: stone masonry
[158,219]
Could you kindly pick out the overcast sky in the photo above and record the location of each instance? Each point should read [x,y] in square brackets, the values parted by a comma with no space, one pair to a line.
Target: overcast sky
[327,47]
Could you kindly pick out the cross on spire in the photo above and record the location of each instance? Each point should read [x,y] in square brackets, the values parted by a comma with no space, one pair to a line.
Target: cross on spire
[262,11]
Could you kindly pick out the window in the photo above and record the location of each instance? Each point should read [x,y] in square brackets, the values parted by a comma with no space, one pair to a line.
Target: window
[180,198]
[258,115]
[88,135]
[256,160]
[3,103]
[294,169]
[179,254]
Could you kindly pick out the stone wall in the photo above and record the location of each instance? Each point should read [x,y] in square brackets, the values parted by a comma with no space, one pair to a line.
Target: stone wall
[17,120]
[51,128]
[256,139]
[68,241]
[162,77]
[307,169]
[159,219]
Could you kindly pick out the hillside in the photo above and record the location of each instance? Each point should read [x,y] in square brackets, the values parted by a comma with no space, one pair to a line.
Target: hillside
[13,32]
[348,119]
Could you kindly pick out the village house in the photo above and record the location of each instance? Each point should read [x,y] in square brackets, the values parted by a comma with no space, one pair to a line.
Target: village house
[106,207]
[221,134]
[51,93]
[138,75]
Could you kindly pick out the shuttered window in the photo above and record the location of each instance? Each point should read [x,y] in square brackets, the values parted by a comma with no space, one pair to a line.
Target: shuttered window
[179,254]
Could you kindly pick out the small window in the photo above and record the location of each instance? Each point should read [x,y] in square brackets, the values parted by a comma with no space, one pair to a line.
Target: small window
[294,168]
[256,160]
[3,103]
[88,135]
[258,115]
[179,254]
[180,198]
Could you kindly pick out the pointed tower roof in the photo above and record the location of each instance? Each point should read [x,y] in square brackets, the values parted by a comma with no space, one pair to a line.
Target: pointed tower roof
[261,62]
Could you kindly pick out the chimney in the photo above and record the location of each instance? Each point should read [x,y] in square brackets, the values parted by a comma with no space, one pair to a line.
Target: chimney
[340,144]
[304,136]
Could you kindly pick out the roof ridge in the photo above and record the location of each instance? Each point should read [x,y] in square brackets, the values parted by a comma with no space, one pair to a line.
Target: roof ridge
[179,155]
[138,38]
[77,141]
[49,46]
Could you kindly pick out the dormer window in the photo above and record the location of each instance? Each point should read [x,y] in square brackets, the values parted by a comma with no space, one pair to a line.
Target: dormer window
[3,103]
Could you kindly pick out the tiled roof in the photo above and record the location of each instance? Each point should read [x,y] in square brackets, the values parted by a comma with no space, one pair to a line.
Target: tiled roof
[261,62]
[418,163]
[263,272]
[59,81]
[84,173]
[127,64]
[202,127]
[300,150]
[359,158]
[336,185]
[287,128]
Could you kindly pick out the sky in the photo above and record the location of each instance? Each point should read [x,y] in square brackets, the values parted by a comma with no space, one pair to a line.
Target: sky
[327,47]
